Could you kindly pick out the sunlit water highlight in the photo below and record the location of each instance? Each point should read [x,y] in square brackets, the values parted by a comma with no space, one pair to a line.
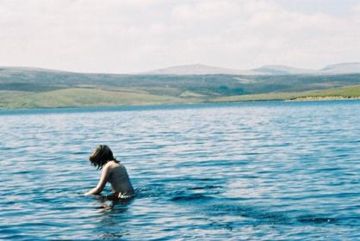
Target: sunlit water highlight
[250,171]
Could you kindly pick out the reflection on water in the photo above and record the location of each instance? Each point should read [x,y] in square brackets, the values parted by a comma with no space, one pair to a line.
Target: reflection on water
[258,171]
[110,204]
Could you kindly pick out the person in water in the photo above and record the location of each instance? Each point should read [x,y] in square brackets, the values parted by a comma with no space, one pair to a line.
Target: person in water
[112,171]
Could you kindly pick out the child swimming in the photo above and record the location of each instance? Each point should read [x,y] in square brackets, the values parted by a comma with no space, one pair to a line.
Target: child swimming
[112,171]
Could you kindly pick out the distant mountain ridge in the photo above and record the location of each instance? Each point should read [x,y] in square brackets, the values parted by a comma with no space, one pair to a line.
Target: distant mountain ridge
[200,69]
[342,68]
[193,69]
[24,87]
[281,70]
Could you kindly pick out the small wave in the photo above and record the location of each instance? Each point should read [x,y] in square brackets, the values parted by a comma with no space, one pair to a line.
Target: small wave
[256,214]
[205,187]
[191,197]
[310,219]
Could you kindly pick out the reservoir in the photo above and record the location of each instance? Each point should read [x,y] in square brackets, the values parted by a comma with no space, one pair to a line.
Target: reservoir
[240,171]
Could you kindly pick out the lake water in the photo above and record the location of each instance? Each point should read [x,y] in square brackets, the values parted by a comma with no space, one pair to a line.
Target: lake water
[247,171]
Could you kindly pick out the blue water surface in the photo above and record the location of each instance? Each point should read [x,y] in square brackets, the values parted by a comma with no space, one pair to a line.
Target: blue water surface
[246,171]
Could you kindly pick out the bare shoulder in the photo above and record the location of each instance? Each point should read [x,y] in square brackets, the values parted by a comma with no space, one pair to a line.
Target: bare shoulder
[108,167]
[113,164]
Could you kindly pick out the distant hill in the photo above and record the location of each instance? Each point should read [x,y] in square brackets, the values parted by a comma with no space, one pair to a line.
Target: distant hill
[194,69]
[200,69]
[343,68]
[33,87]
[280,70]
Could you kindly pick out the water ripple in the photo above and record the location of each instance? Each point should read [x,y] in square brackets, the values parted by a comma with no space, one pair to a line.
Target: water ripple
[259,171]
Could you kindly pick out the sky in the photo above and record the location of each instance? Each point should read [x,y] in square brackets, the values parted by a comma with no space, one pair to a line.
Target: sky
[127,36]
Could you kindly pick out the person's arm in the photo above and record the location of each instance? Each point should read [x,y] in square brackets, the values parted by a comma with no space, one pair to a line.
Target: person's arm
[103,179]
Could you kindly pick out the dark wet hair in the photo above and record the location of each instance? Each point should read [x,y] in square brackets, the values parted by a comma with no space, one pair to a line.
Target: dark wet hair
[101,155]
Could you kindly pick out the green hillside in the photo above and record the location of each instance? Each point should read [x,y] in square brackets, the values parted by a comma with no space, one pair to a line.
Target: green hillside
[77,97]
[33,88]
[347,92]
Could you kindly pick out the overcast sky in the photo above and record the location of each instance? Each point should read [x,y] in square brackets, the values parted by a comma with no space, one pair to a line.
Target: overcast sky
[123,36]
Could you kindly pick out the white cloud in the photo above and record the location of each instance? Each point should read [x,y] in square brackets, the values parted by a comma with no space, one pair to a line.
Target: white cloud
[137,35]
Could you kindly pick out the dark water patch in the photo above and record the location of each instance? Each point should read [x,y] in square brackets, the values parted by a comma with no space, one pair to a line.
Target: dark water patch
[81,153]
[316,219]
[246,176]
[24,172]
[111,236]
[7,148]
[193,197]
[206,187]
[329,169]
[258,215]
[21,237]
[223,225]
[181,187]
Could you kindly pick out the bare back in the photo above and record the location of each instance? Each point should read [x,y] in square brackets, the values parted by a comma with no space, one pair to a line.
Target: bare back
[119,179]
[115,173]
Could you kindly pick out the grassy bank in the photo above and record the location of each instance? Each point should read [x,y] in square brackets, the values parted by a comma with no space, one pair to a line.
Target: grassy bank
[349,92]
[78,97]
[84,97]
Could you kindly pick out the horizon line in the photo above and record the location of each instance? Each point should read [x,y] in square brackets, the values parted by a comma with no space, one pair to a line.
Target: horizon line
[169,66]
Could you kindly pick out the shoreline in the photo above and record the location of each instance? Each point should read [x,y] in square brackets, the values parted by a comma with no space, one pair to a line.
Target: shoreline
[324,98]
[174,104]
